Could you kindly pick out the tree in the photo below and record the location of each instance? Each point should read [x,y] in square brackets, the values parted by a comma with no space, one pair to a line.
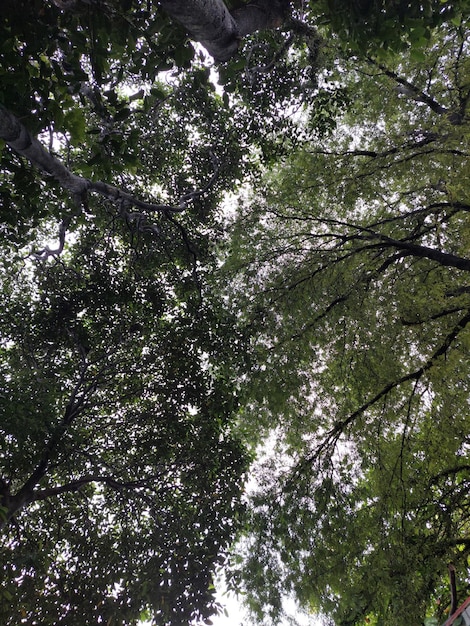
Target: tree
[350,271]
[121,482]
[121,476]
[360,24]
[120,479]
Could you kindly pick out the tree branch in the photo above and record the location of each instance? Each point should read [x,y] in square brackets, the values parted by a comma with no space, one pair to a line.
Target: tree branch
[109,481]
[219,31]
[17,136]
[453,589]
[338,429]
[443,258]
[451,471]
[26,494]
[408,89]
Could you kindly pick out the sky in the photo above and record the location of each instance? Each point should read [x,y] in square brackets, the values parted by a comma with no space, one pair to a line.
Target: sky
[236,614]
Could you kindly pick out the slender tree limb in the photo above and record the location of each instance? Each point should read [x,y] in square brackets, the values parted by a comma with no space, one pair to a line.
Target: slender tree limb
[109,481]
[265,69]
[452,208]
[436,316]
[46,252]
[332,436]
[419,141]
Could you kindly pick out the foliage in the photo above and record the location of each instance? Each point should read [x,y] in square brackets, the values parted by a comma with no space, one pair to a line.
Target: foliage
[350,270]
[114,432]
[120,480]
[122,471]
[378,26]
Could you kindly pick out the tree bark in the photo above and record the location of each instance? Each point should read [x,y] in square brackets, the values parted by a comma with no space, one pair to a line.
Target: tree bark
[17,136]
[219,30]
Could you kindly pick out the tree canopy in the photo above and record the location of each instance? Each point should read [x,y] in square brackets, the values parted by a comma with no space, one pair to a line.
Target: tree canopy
[150,340]
[350,267]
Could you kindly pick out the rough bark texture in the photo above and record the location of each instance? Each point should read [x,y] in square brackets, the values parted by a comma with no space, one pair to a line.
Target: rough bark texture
[219,31]
[211,23]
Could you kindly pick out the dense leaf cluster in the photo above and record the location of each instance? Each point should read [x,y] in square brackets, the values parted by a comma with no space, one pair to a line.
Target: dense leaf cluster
[120,480]
[350,268]
[117,461]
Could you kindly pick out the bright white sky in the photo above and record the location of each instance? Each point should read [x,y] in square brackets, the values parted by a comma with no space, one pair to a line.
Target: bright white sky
[237,615]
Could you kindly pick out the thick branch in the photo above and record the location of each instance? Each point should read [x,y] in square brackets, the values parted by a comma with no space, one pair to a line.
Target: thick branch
[453,589]
[21,141]
[452,471]
[17,136]
[209,22]
[443,258]
[219,31]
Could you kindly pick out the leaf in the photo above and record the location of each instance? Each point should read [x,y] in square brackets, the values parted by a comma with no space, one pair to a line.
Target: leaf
[122,114]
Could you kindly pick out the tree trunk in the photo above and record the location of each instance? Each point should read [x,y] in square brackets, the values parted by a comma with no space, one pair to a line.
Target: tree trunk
[212,24]
[219,30]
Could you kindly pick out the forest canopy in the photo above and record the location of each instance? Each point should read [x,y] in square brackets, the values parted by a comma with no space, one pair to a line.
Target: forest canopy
[350,268]
[234,245]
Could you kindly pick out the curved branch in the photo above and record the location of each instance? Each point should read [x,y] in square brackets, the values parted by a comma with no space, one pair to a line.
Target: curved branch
[451,471]
[17,136]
